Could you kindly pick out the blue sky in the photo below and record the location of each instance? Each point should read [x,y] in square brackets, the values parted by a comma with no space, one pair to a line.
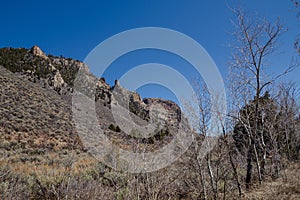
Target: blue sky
[74,28]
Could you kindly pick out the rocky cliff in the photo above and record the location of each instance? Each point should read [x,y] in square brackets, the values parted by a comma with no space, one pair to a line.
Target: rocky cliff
[57,74]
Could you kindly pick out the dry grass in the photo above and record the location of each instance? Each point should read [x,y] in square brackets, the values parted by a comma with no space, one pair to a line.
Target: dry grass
[287,186]
[29,112]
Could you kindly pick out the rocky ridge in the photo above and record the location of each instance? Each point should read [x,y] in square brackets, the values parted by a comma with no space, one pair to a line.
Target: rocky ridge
[57,74]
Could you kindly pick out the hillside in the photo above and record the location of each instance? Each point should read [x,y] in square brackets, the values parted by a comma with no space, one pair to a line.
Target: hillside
[42,155]
[36,102]
[33,120]
[36,107]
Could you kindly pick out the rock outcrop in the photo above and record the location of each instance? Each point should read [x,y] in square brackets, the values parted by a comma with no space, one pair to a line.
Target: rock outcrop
[58,74]
[51,72]
[35,50]
[103,91]
[148,109]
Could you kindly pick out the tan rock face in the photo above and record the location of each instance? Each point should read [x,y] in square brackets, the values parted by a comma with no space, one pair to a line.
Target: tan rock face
[168,110]
[58,80]
[136,97]
[35,50]
[102,84]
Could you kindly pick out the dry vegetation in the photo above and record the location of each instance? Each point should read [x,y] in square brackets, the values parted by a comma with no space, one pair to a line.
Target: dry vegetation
[37,170]
[256,156]
[287,186]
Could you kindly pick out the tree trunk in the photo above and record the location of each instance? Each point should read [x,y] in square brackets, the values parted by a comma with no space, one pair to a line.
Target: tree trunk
[257,163]
[263,162]
[202,179]
[212,182]
[236,177]
[249,168]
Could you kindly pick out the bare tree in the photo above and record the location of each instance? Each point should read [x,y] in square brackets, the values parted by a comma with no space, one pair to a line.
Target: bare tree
[288,120]
[212,168]
[297,42]
[199,115]
[256,40]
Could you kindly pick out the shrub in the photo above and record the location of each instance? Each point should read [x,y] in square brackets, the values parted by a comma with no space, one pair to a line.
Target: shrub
[118,129]
[112,127]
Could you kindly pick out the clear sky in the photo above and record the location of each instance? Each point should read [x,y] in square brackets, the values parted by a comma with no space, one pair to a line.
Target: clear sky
[74,28]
